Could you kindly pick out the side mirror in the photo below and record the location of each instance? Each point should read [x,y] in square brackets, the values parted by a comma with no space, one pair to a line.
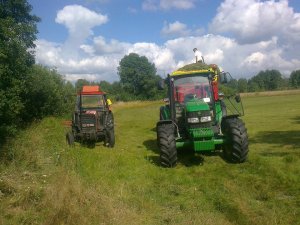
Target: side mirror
[225,78]
[109,102]
[161,85]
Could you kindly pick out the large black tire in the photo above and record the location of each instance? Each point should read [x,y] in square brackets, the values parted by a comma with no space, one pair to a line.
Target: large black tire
[167,145]
[236,147]
[110,121]
[110,133]
[70,138]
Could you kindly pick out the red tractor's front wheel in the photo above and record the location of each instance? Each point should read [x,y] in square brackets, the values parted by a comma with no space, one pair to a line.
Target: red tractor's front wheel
[70,139]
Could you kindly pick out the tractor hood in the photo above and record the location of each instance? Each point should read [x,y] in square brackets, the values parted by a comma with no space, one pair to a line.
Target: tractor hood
[195,105]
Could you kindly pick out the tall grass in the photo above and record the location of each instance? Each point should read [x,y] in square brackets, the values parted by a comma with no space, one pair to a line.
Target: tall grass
[43,181]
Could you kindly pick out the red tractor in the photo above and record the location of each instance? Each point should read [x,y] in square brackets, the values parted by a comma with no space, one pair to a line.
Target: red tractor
[93,119]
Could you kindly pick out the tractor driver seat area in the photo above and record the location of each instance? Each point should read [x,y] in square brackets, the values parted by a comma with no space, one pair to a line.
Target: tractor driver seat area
[186,92]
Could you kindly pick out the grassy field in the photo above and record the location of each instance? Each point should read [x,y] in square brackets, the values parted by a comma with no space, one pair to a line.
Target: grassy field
[43,181]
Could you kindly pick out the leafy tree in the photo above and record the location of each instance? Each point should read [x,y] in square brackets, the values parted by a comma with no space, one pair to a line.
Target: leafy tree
[268,80]
[47,94]
[242,85]
[138,76]
[259,82]
[275,80]
[17,35]
[295,79]
[253,86]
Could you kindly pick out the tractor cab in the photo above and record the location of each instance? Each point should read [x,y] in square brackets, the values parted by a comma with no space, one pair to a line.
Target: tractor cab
[192,87]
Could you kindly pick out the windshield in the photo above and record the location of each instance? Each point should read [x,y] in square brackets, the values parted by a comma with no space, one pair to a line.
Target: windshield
[92,101]
[186,88]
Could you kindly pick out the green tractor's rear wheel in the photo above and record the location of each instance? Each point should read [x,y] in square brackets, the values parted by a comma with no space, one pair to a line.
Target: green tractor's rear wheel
[70,138]
[167,145]
[236,147]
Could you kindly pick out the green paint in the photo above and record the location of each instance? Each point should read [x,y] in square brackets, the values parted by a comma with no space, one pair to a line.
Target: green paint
[196,105]
[218,112]
[166,112]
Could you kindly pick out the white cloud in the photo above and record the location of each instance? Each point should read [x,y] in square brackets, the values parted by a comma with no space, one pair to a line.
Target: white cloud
[88,49]
[175,29]
[77,17]
[179,29]
[168,4]
[251,21]
[111,47]
[256,59]
[178,4]
[79,21]
[97,66]
[270,60]
[47,53]
[240,60]
[216,57]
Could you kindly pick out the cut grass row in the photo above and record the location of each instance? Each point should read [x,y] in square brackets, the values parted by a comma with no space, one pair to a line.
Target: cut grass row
[46,182]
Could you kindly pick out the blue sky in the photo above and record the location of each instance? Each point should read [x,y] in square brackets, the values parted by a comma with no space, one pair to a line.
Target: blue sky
[127,20]
[88,38]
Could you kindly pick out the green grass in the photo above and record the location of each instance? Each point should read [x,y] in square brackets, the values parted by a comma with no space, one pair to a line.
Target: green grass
[43,181]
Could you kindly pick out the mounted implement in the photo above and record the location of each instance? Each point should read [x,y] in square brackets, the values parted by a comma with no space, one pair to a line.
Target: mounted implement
[199,116]
[92,120]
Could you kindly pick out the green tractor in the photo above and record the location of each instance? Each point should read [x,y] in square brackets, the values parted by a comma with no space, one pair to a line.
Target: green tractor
[93,119]
[198,115]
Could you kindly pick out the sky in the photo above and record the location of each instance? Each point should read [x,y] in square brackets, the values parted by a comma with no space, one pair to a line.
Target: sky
[86,39]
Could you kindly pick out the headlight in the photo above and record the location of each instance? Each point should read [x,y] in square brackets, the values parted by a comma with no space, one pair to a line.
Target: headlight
[193,120]
[88,125]
[205,119]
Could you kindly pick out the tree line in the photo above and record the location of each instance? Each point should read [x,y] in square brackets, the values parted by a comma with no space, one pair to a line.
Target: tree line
[267,80]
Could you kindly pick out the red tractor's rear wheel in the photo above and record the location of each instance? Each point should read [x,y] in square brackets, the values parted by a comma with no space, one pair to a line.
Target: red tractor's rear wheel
[110,133]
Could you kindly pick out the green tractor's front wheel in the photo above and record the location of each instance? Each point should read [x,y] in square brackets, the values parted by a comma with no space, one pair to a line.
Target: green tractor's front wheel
[236,146]
[167,145]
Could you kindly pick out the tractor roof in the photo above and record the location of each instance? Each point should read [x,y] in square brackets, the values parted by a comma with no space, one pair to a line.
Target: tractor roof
[91,90]
[195,68]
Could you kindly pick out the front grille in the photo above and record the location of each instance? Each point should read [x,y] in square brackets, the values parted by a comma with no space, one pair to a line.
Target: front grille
[88,122]
[200,125]
[198,114]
